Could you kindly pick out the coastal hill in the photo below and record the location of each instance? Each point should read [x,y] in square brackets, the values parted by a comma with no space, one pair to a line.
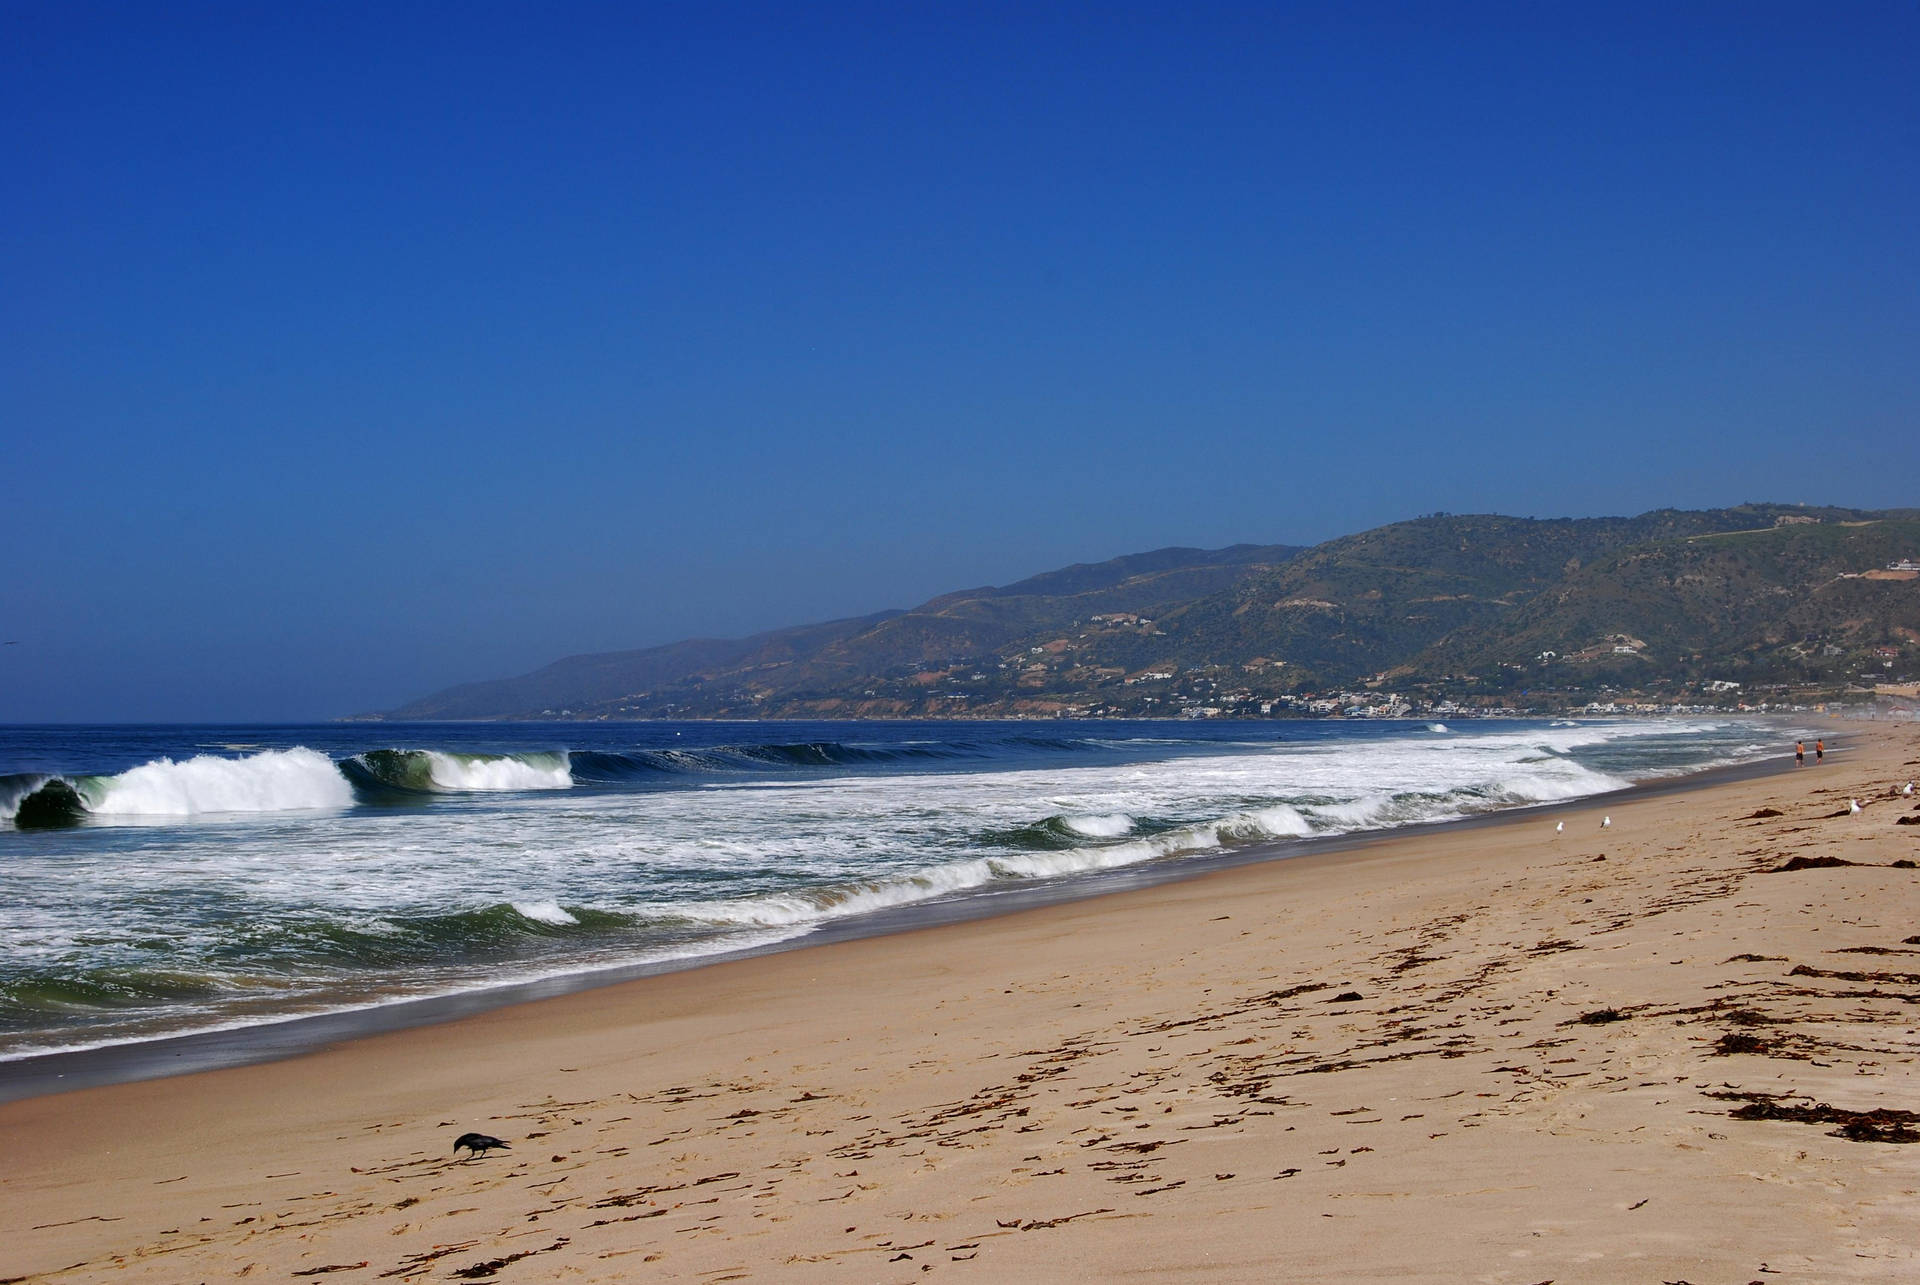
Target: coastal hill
[1471,609]
[762,675]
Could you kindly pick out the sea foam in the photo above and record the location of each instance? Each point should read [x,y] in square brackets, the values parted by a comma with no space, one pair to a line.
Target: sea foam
[498,772]
[545,912]
[272,781]
[1100,827]
[453,870]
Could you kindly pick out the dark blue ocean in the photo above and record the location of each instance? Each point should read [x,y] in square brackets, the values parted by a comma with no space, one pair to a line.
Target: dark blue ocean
[155,880]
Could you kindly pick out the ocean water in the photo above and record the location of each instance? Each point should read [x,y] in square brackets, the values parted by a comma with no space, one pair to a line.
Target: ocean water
[157,880]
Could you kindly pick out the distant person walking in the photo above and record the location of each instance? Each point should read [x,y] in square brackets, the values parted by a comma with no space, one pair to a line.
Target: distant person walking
[1820,750]
[1799,753]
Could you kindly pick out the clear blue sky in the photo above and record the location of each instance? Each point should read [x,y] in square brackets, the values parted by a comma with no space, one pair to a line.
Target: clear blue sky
[347,352]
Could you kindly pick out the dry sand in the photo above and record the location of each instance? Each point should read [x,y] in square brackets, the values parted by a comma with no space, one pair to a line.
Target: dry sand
[1489,1054]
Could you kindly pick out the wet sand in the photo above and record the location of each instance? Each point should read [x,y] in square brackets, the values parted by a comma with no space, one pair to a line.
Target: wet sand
[1646,1052]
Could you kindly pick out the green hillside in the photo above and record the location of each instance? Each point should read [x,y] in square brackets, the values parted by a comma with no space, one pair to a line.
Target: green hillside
[1790,604]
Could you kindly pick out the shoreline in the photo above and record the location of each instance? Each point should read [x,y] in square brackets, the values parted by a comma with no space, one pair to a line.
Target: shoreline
[1494,1052]
[270,1039]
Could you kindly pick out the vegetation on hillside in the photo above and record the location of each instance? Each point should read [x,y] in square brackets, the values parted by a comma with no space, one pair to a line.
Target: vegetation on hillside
[1474,609]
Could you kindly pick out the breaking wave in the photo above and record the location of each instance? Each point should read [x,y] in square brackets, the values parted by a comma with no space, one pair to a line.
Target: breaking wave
[272,781]
[435,771]
[17,786]
[601,765]
[1062,831]
[545,912]
[1100,827]
[1064,845]
[1046,856]
[290,780]
[452,873]
[302,779]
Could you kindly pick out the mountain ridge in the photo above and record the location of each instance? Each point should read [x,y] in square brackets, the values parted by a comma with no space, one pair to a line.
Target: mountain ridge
[1456,606]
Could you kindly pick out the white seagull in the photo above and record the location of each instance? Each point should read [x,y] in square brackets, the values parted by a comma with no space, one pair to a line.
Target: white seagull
[1605,822]
[1907,788]
[1853,806]
[1559,827]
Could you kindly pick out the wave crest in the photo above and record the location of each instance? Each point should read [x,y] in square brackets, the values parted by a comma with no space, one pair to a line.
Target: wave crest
[545,912]
[439,771]
[270,781]
[1100,827]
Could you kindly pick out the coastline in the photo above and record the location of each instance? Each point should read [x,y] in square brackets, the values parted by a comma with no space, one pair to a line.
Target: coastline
[1483,1051]
[276,1038]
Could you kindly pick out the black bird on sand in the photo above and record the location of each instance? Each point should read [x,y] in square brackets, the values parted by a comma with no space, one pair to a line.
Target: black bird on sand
[478,1143]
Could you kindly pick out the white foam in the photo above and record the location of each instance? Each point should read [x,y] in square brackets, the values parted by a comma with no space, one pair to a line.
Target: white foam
[545,912]
[1052,865]
[1564,780]
[738,861]
[1363,813]
[1438,727]
[839,901]
[1111,826]
[271,781]
[510,772]
[805,908]
[1278,822]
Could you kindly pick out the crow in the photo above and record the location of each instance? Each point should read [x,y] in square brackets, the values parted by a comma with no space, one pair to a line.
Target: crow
[478,1143]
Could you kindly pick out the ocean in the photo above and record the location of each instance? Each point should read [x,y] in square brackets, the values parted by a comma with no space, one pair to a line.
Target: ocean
[156,881]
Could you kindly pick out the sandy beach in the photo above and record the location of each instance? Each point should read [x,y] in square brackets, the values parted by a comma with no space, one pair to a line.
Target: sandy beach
[1679,1047]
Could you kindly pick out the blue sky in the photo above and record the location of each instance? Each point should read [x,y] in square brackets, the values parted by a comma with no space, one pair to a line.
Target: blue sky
[348,352]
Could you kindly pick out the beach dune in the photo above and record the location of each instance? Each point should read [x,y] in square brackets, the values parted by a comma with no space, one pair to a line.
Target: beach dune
[1679,1047]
